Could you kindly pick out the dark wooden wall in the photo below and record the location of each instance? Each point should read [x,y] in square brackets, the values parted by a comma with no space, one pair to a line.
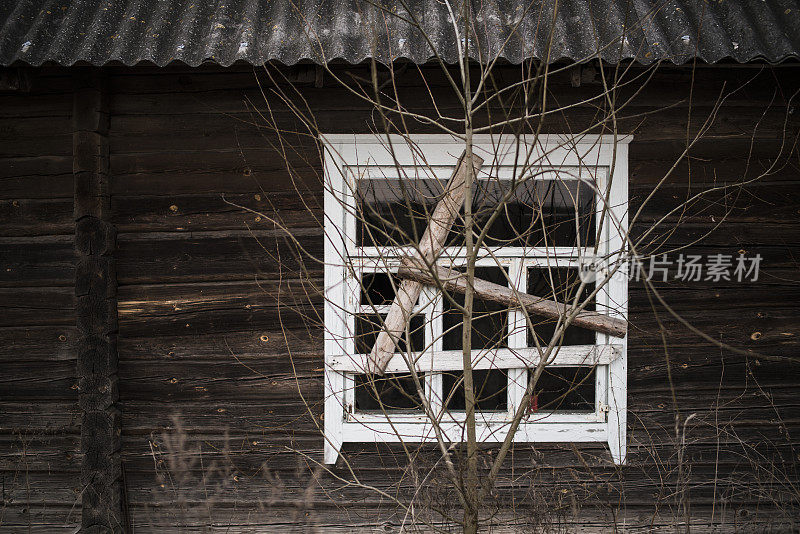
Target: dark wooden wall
[210,296]
[39,413]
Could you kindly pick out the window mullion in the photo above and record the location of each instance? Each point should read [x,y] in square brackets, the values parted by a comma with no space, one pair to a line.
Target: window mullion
[517,336]
[352,306]
[433,340]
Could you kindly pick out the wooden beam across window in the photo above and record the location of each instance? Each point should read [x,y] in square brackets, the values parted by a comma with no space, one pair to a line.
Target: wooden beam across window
[451,280]
[431,243]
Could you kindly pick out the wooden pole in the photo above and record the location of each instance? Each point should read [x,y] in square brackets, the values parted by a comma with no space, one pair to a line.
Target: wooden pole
[412,269]
[431,243]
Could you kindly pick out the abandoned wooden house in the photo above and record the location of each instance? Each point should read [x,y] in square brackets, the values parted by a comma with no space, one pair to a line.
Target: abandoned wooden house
[203,249]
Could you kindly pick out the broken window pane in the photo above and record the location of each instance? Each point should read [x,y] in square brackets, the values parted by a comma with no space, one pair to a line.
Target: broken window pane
[387,392]
[490,387]
[559,284]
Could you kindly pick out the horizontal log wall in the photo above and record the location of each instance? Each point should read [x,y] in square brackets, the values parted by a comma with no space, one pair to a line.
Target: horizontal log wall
[218,319]
[40,458]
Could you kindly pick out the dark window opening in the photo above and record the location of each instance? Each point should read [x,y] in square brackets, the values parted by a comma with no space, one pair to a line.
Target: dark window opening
[534,212]
[561,287]
[395,212]
[378,288]
[369,325]
[388,392]
[489,319]
[570,389]
[490,387]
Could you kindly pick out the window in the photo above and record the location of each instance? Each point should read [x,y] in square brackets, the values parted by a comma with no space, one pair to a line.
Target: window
[377,206]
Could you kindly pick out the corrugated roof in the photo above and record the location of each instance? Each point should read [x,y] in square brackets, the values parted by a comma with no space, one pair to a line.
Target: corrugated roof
[257,31]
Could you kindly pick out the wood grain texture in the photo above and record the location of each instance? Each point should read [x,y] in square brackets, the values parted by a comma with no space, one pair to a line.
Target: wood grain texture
[39,414]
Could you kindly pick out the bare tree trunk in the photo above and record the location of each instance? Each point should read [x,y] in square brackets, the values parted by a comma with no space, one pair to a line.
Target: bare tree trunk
[471,492]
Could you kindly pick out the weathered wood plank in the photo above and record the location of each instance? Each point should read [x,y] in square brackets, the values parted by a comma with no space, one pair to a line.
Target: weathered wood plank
[251,344]
[40,489]
[249,521]
[219,211]
[50,306]
[176,77]
[37,263]
[689,299]
[36,217]
[670,97]
[163,382]
[21,133]
[33,106]
[771,199]
[244,255]
[59,417]
[38,342]
[42,165]
[266,444]
[32,381]
[215,132]
[225,158]
[37,186]
[31,451]
[219,307]
[649,124]
[245,487]
[229,177]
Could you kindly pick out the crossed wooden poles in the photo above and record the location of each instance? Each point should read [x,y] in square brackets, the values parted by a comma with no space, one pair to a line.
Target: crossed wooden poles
[421,270]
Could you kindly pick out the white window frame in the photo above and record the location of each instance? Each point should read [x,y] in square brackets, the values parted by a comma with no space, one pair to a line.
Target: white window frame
[607,423]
